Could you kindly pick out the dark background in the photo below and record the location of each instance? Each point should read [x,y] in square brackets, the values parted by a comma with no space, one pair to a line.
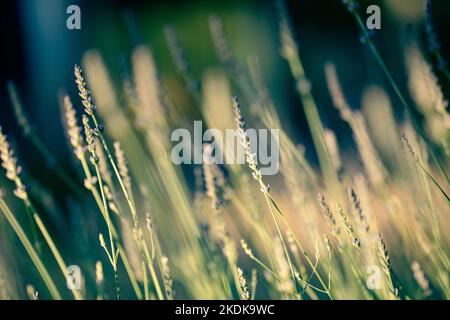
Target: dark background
[38,52]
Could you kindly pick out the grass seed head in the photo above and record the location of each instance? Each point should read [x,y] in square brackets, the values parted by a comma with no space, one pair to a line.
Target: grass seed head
[32,293]
[9,163]
[83,91]
[99,276]
[167,278]
[348,226]
[247,249]
[123,166]
[73,130]
[328,214]
[92,148]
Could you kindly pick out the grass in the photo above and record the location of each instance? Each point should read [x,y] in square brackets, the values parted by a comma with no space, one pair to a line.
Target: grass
[321,232]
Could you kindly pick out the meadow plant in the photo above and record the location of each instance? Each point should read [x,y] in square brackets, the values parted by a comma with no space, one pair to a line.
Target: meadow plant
[310,232]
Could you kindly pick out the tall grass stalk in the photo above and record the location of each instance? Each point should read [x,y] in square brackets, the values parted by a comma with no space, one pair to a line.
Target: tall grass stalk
[29,132]
[90,110]
[393,84]
[76,140]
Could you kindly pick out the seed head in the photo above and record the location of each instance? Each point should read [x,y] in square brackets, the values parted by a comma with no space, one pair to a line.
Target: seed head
[247,249]
[9,163]
[99,276]
[243,284]
[32,293]
[89,183]
[328,214]
[384,255]
[220,43]
[335,89]
[73,130]
[103,162]
[179,58]
[165,270]
[327,243]
[90,141]
[358,210]
[83,91]
[123,166]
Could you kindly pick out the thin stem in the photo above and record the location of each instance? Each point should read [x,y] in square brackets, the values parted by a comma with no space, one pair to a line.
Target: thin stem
[128,269]
[311,275]
[305,254]
[273,273]
[114,253]
[329,273]
[30,250]
[122,253]
[281,237]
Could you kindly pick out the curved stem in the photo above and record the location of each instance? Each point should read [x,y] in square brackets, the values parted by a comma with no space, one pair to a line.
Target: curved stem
[30,250]
[402,99]
[114,254]
[62,265]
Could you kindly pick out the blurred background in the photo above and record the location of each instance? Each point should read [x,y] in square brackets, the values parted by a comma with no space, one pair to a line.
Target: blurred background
[38,53]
